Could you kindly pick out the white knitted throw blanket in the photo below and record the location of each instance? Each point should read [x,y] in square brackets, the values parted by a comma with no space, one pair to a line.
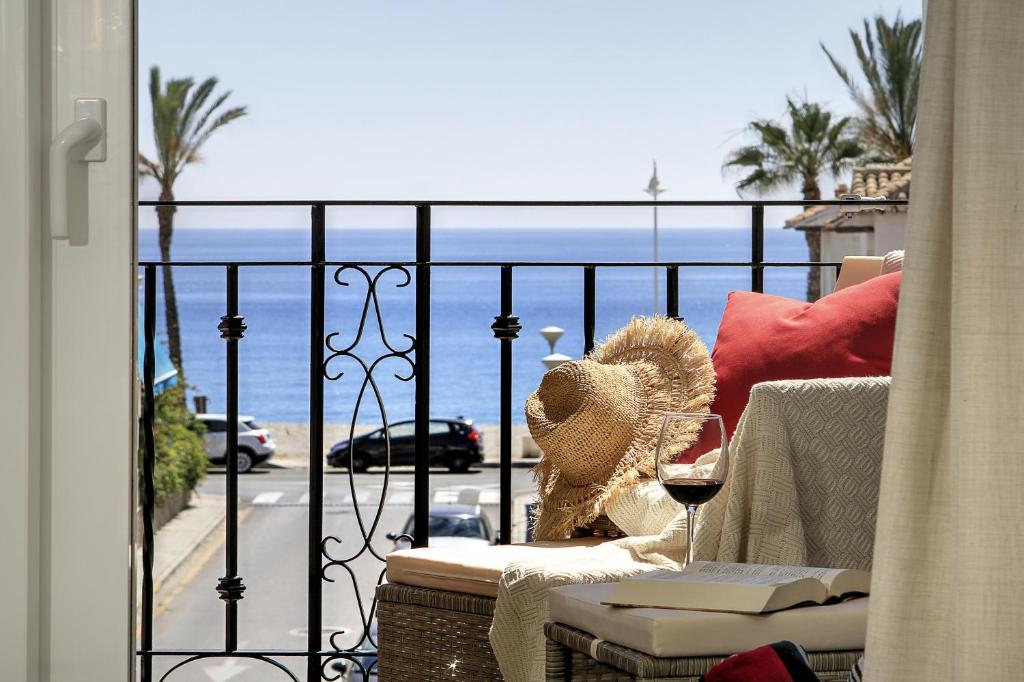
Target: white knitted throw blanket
[802,490]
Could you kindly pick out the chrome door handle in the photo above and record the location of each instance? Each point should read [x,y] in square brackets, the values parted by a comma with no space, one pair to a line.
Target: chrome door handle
[81,142]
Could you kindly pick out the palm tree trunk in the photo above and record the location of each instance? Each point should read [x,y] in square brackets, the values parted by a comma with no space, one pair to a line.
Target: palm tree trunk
[813,236]
[165,216]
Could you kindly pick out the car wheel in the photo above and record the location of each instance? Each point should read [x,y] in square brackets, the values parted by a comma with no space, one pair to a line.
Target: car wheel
[360,463]
[458,463]
[244,462]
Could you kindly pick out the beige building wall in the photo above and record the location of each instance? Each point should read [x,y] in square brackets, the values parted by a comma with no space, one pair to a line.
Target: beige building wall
[890,232]
[837,245]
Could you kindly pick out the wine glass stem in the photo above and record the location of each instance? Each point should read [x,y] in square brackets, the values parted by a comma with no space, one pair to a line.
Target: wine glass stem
[691,514]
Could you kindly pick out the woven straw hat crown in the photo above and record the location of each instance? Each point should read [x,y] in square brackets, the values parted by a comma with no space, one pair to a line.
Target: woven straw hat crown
[587,407]
[597,419]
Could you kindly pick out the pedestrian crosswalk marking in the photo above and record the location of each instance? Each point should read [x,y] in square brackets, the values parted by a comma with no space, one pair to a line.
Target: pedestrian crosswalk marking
[267,498]
[401,497]
[462,494]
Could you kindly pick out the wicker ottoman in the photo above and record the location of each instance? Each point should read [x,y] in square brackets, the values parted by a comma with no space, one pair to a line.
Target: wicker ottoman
[578,656]
[588,640]
[422,633]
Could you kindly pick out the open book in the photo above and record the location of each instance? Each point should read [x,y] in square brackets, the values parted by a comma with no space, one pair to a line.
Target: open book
[740,588]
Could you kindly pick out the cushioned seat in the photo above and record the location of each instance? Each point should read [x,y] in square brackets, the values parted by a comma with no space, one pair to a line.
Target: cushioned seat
[676,633]
[859,269]
[473,570]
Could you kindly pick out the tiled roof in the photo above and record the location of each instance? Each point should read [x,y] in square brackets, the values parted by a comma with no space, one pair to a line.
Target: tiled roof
[804,219]
[889,180]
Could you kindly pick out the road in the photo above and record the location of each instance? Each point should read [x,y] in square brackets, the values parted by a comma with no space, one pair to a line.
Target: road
[272,560]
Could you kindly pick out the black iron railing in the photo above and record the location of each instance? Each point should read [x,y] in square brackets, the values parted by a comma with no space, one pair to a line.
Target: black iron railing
[416,353]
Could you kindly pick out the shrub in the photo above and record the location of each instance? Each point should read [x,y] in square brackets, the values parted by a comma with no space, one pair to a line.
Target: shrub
[178,436]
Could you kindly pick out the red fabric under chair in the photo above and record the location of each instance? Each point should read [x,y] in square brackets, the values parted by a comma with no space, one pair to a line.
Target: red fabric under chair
[778,662]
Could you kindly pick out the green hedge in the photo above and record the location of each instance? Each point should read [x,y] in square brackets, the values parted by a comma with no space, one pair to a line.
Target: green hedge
[178,436]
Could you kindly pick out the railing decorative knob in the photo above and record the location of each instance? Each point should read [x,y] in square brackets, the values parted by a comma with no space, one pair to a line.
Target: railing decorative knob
[232,327]
[231,588]
[506,327]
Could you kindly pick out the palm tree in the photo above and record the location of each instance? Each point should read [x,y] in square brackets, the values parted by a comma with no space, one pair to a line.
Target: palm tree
[813,144]
[890,63]
[183,120]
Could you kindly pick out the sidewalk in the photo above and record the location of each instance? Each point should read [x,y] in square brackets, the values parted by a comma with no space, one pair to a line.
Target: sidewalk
[180,536]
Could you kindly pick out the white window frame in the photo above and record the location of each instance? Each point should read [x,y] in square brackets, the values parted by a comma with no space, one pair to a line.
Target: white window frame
[67,394]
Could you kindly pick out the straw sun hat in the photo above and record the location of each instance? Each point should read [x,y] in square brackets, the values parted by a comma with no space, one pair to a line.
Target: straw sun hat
[597,420]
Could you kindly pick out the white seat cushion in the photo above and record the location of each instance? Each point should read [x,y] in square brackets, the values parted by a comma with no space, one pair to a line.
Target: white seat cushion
[470,570]
[677,633]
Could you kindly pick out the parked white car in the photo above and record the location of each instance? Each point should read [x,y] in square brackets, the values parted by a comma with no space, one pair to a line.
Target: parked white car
[254,442]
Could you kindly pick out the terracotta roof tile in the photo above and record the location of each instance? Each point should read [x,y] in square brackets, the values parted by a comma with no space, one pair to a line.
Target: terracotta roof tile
[882,179]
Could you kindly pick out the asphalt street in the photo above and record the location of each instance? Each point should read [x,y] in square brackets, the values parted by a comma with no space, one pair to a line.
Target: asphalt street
[272,560]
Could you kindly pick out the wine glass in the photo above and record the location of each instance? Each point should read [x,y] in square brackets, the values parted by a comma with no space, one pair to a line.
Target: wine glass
[683,439]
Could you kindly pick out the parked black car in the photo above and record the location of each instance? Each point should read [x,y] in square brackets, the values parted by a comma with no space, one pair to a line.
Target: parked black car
[454,444]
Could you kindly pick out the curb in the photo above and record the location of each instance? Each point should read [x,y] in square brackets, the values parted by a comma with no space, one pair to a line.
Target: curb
[516,464]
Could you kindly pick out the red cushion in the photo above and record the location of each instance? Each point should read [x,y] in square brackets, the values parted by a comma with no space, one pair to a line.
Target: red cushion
[762,664]
[768,338]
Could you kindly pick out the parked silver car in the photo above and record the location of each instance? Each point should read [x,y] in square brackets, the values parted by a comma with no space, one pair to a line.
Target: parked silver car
[451,526]
[254,442]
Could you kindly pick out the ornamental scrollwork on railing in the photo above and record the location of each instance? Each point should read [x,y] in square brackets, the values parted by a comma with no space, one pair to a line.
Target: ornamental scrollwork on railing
[358,654]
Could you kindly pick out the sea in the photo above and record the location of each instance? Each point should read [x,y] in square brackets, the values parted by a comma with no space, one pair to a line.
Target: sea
[274,354]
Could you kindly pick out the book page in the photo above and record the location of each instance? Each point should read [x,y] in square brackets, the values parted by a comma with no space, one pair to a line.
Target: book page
[717,567]
[717,591]
[763,573]
[719,577]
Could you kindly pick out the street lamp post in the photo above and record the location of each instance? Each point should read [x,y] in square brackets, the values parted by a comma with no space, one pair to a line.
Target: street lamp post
[553,359]
[654,188]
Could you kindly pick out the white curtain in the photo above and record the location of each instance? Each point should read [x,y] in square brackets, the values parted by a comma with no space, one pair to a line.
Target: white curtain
[948,587]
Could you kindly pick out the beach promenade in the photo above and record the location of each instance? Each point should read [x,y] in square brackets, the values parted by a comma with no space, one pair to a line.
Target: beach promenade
[292,440]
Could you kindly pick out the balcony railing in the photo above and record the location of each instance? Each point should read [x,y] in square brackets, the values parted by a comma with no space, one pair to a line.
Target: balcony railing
[415,351]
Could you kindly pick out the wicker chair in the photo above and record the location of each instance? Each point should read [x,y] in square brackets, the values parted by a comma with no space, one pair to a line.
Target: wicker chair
[422,632]
[437,609]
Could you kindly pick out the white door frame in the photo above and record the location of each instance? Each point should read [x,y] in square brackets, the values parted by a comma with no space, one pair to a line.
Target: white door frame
[66,351]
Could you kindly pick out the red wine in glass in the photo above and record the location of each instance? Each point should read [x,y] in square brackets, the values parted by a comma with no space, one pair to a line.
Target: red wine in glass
[693,435]
[692,490]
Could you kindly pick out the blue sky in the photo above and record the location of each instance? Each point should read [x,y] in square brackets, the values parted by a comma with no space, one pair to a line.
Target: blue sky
[474,99]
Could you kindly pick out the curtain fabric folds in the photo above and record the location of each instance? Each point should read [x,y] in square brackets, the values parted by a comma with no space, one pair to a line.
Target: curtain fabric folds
[948,585]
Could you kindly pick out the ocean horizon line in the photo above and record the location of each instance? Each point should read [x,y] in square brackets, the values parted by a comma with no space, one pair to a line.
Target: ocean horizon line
[666,228]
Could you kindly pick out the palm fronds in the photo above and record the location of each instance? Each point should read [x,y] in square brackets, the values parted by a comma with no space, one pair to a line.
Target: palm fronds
[184,118]
[813,143]
[890,63]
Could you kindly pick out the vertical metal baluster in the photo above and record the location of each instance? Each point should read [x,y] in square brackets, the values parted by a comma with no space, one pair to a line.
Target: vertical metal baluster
[230,587]
[672,292]
[318,254]
[589,306]
[421,491]
[148,464]
[757,248]
[506,329]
